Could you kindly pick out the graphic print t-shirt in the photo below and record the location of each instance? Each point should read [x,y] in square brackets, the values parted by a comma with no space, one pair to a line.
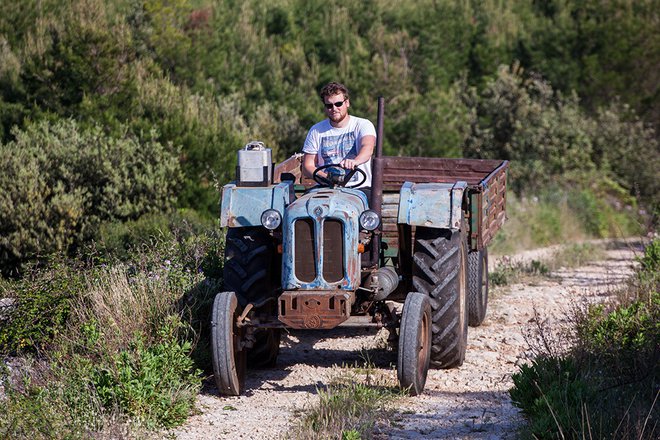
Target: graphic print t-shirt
[332,145]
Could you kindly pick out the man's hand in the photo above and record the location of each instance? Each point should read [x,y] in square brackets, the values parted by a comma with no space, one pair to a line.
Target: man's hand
[349,164]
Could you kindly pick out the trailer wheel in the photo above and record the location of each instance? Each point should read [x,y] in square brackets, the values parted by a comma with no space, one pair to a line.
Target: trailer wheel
[250,262]
[227,352]
[477,287]
[414,343]
[439,271]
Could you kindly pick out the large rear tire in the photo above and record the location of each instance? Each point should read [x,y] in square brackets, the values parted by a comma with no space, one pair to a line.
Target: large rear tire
[250,265]
[228,355]
[414,343]
[439,271]
[477,287]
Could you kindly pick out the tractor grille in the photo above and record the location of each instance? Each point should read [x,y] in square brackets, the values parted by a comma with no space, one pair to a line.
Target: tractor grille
[304,252]
[333,250]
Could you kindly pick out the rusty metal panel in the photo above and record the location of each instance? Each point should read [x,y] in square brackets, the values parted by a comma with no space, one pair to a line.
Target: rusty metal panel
[333,250]
[293,166]
[243,205]
[486,180]
[434,205]
[315,309]
[304,250]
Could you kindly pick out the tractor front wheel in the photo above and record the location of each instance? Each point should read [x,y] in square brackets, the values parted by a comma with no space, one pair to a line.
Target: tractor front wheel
[229,356]
[414,343]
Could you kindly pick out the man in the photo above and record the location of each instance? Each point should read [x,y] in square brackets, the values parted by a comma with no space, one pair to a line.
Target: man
[341,139]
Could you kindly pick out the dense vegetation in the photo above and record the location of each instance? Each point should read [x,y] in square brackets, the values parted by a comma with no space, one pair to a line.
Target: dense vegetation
[197,79]
[119,118]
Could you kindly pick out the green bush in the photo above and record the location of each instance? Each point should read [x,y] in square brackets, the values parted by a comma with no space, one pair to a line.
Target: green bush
[632,328]
[36,413]
[125,240]
[42,304]
[551,392]
[608,377]
[59,182]
[155,384]
[650,261]
[124,346]
[551,141]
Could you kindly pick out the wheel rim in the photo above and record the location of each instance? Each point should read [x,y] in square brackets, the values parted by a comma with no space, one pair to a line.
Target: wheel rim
[239,355]
[424,350]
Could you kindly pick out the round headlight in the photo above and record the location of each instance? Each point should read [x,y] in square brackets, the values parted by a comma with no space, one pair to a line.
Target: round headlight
[271,219]
[369,220]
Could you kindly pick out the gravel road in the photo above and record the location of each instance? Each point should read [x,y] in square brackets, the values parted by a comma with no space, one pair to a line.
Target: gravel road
[470,402]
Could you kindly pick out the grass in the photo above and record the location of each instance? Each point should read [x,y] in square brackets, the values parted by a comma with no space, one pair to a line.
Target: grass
[509,271]
[559,217]
[111,347]
[113,356]
[604,384]
[349,406]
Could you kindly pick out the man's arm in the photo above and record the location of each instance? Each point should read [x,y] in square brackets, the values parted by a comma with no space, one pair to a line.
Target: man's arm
[309,165]
[367,144]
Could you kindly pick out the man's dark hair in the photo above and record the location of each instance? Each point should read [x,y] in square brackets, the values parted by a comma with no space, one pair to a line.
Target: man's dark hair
[333,88]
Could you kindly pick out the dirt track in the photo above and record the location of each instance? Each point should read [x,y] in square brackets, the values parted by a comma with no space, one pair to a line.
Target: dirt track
[470,402]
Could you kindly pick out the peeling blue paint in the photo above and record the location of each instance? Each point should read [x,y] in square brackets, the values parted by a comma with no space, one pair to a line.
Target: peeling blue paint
[243,205]
[434,205]
[342,204]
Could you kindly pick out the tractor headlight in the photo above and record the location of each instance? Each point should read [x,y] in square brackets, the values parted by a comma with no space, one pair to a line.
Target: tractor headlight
[271,219]
[369,220]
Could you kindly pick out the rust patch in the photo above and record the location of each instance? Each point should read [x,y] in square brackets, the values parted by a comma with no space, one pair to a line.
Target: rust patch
[314,310]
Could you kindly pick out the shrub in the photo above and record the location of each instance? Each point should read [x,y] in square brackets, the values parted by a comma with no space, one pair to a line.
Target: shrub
[551,393]
[550,140]
[605,386]
[42,303]
[59,182]
[348,408]
[156,384]
[125,240]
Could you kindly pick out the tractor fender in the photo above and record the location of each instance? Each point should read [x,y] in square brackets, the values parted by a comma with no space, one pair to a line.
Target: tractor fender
[432,205]
[243,205]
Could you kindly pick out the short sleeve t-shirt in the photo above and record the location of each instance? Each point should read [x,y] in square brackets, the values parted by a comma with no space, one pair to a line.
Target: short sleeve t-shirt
[332,145]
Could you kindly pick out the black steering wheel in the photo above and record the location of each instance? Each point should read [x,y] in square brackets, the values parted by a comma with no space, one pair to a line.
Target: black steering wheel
[338,179]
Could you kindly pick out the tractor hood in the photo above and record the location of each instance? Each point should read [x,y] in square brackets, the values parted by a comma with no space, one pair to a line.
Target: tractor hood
[320,240]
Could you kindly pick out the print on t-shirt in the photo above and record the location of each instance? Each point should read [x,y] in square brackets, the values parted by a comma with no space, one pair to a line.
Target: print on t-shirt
[334,149]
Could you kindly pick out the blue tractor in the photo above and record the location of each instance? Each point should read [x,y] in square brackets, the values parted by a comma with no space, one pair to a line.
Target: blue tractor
[317,254]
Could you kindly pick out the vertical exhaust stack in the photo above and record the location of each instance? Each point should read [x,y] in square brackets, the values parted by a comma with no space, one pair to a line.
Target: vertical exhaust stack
[376,201]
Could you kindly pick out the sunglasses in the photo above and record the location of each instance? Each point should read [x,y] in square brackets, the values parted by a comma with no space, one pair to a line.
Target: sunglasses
[336,104]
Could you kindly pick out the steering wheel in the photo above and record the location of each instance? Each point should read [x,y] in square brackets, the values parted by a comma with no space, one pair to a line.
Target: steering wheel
[336,179]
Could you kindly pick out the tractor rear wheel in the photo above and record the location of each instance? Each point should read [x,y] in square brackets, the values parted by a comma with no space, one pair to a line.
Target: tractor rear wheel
[477,286]
[227,352]
[250,264]
[439,271]
[414,343]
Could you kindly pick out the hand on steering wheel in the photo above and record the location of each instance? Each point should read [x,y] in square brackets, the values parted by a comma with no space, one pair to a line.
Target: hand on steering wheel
[326,181]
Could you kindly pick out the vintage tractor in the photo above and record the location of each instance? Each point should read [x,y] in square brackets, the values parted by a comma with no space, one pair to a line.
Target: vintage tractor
[319,254]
